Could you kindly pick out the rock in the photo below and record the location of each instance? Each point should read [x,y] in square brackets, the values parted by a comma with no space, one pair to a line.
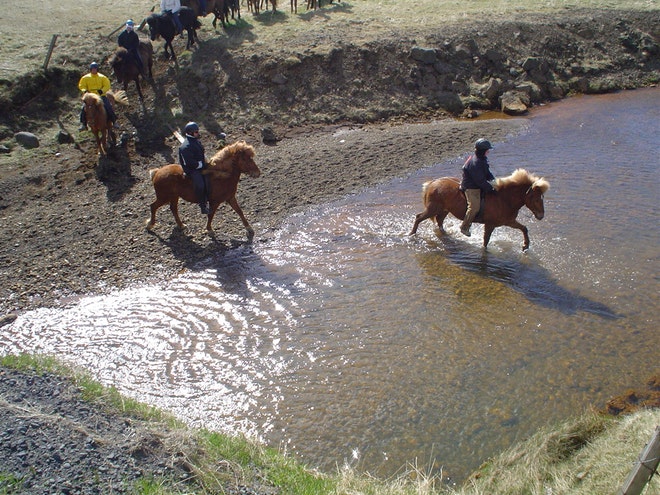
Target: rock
[64,137]
[425,55]
[279,79]
[27,139]
[513,103]
[268,135]
[4,149]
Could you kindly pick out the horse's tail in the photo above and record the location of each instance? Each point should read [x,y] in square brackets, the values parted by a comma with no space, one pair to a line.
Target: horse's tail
[425,188]
[152,173]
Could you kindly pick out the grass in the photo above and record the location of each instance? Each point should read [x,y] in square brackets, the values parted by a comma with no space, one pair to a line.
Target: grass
[590,454]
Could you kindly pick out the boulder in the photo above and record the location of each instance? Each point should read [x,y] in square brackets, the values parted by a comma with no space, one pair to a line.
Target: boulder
[27,139]
[514,103]
[425,55]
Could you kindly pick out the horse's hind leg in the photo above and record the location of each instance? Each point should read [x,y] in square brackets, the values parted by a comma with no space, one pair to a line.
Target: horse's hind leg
[440,218]
[419,218]
[174,208]
[154,208]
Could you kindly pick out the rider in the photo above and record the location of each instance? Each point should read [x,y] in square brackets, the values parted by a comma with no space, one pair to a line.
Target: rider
[130,40]
[476,177]
[172,7]
[191,159]
[96,82]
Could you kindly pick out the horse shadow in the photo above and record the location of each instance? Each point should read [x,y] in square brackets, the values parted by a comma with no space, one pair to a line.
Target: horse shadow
[114,171]
[519,273]
[234,261]
[325,10]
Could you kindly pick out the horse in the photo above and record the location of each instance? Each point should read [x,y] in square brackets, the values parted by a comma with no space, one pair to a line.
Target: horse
[126,68]
[97,118]
[443,196]
[163,25]
[219,8]
[224,171]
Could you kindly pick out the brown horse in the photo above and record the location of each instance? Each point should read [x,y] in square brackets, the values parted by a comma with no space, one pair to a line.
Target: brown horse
[97,118]
[126,68]
[443,196]
[224,171]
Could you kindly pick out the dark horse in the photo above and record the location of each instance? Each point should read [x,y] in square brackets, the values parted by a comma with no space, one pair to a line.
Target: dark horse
[224,172]
[163,25]
[442,196]
[126,68]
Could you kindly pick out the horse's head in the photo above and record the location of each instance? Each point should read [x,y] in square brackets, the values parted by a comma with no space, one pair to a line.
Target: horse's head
[153,21]
[534,197]
[245,154]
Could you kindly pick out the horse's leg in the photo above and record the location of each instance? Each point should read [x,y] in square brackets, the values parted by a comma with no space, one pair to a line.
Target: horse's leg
[234,204]
[174,208]
[517,225]
[440,219]
[213,207]
[488,231]
[137,85]
[154,208]
[431,210]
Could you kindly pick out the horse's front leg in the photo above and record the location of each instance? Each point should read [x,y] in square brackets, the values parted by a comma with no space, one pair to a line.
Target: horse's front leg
[488,231]
[234,204]
[517,225]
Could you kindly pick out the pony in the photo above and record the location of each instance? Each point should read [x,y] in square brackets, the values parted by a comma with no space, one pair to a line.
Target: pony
[163,25]
[219,8]
[126,69]
[224,171]
[97,118]
[443,196]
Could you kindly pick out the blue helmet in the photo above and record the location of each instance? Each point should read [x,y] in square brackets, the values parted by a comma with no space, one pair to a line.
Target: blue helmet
[191,127]
[93,65]
[130,23]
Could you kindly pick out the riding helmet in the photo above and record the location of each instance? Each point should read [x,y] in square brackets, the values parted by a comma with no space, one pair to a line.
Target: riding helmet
[191,127]
[93,65]
[482,145]
[130,23]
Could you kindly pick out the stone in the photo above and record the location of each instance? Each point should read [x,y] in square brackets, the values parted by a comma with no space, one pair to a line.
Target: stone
[27,139]
[425,55]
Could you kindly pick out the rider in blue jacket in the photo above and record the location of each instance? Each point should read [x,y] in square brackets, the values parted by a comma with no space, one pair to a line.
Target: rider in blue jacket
[476,177]
[191,158]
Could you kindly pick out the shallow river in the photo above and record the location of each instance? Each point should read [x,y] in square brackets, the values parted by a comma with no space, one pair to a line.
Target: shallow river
[345,341]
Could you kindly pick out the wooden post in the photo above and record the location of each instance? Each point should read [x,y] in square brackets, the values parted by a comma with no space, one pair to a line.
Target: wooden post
[50,51]
[645,467]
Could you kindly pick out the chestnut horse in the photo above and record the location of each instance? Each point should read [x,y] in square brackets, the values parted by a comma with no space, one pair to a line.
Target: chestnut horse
[126,68]
[443,196]
[97,118]
[224,171]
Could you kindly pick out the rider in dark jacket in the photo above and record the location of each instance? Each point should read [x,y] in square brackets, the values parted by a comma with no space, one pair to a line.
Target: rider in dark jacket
[130,40]
[476,174]
[191,158]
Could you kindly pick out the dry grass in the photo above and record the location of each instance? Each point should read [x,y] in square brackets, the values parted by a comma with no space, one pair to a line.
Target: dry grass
[591,455]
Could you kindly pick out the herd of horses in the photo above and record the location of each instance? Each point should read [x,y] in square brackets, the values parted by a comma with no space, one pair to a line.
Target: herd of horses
[440,197]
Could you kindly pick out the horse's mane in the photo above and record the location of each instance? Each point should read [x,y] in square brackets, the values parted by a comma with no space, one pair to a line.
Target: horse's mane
[222,163]
[522,177]
[119,56]
[92,98]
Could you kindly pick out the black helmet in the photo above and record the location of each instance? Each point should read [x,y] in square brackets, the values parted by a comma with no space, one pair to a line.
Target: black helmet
[483,145]
[191,127]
